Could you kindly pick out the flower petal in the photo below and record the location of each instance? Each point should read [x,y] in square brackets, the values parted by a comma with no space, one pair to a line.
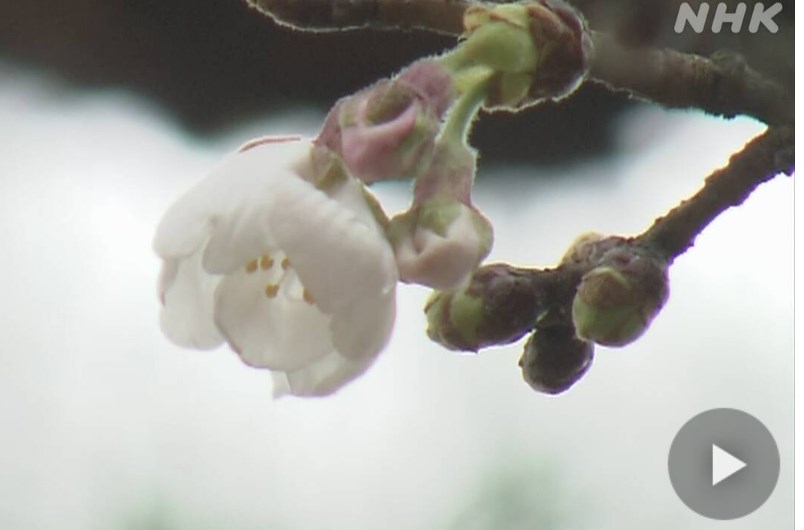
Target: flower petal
[230,205]
[445,261]
[296,279]
[321,378]
[187,294]
[277,331]
[335,245]
[363,329]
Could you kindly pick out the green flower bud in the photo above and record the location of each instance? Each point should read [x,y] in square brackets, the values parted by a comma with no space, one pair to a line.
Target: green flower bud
[496,307]
[617,300]
[537,50]
[499,38]
[453,319]
[507,91]
[554,359]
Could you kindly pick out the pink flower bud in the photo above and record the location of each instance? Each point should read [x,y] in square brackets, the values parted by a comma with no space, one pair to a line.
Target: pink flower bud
[377,143]
[388,131]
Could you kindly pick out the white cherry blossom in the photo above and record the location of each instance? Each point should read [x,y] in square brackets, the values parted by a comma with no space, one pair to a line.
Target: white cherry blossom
[296,279]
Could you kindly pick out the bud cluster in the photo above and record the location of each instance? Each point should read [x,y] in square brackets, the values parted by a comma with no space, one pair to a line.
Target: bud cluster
[415,125]
[606,291]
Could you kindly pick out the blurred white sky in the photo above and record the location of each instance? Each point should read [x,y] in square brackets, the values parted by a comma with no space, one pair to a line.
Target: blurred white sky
[106,425]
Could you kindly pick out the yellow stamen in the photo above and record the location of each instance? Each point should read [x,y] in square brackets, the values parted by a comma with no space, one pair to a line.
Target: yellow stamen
[252,266]
[266,262]
[271,290]
[285,264]
[308,297]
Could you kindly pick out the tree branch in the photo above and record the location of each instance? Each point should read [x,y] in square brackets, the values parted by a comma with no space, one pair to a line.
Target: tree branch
[723,84]
[440,16]
[759,161]
[516,301]
[606,290]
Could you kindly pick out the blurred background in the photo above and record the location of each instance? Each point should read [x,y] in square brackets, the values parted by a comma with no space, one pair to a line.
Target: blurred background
[110,110]
[210,64]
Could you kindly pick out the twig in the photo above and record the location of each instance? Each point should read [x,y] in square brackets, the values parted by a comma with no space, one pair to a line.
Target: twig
[759,161]
[606,290]
[723,85]
[440,16]
[517,300]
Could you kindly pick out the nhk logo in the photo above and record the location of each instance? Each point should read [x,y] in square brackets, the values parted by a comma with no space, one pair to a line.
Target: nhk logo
[760,16]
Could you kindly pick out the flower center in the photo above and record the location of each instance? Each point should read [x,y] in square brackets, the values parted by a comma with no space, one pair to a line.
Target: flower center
[266,265]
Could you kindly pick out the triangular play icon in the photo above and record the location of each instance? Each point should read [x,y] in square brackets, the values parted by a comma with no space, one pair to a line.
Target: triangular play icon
[724,465]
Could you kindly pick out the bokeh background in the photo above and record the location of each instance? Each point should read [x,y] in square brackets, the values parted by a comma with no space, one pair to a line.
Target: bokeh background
[110,110]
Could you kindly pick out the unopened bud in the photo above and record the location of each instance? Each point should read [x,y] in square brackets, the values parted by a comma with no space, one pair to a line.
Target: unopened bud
[496,307]
[440,242]
[554,359]
[388,130]
[432,83]
[617,300]
[589,248]
[499,37]
[538,50]
[453,319]
[386,134]
[561,32]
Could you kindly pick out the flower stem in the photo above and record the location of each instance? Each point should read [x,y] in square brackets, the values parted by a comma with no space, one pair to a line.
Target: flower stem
[454,60]
[451,170]
[472,84]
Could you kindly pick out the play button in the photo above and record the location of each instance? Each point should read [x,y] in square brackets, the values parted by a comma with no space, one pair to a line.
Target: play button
[723,464]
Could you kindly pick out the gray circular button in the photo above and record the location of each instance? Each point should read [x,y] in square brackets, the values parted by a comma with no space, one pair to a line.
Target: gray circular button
[723,463]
